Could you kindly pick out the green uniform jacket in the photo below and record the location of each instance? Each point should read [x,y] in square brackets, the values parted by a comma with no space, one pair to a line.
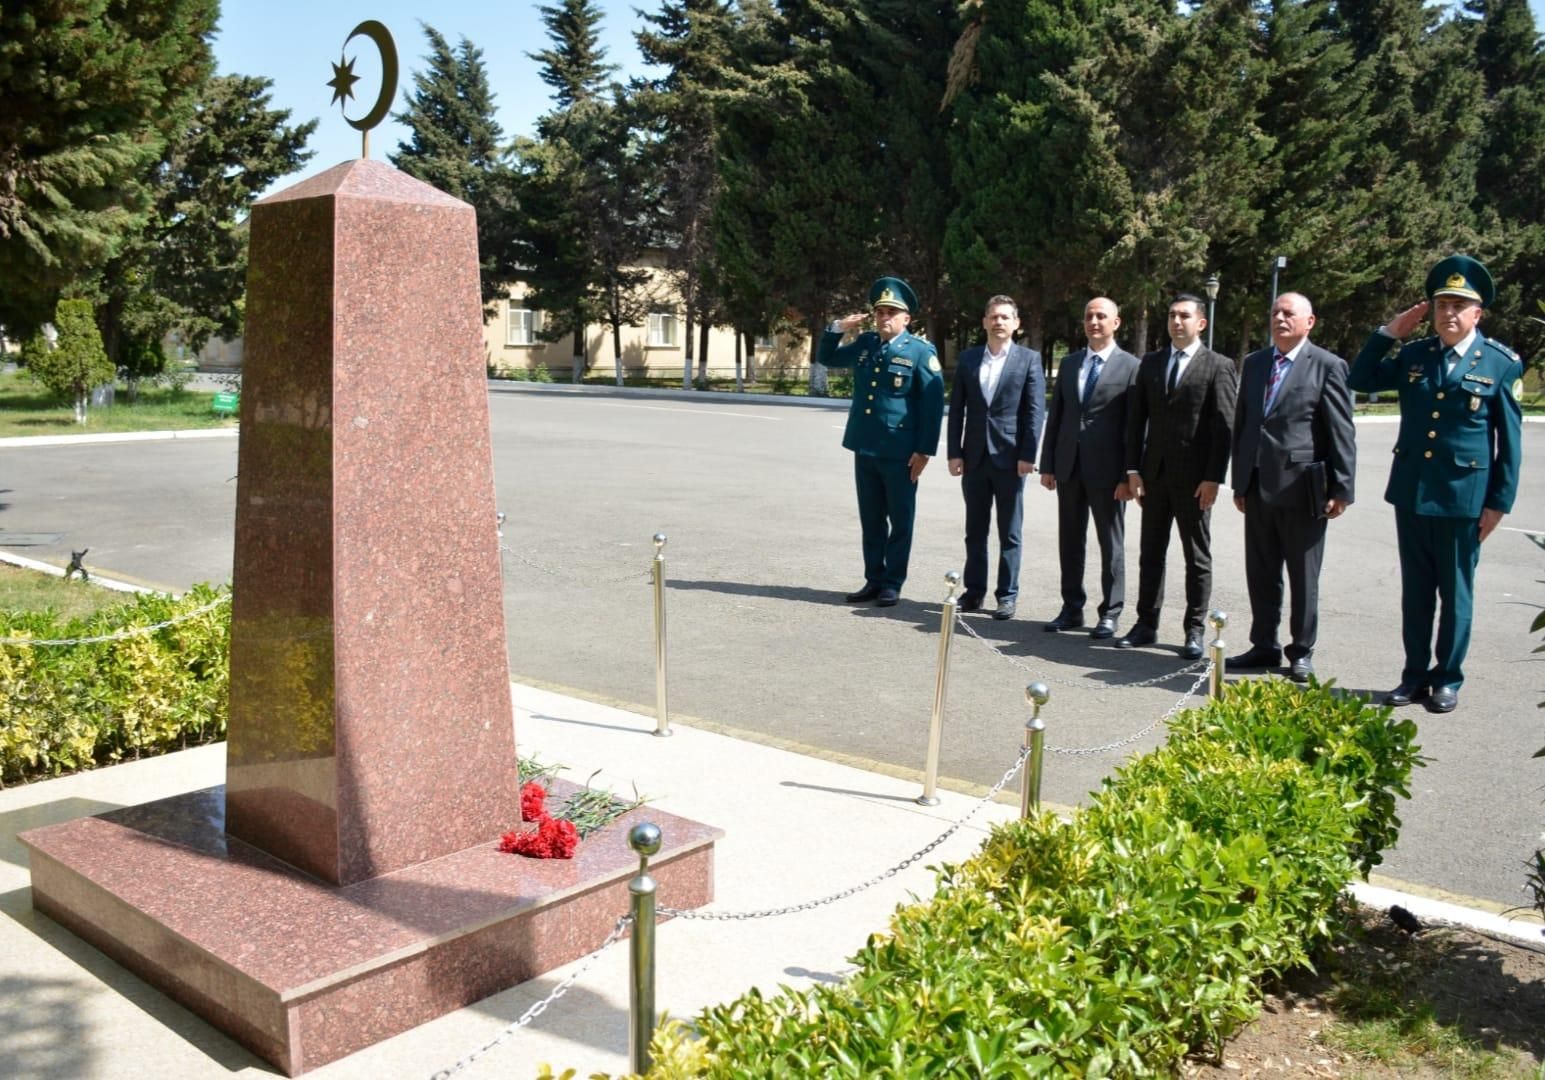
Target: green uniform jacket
[1460,439]
[898,393]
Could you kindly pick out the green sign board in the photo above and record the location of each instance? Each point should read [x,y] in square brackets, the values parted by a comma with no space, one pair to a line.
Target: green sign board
[226,403]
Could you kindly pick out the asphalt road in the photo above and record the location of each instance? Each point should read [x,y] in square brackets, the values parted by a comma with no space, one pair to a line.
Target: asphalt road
[757,502]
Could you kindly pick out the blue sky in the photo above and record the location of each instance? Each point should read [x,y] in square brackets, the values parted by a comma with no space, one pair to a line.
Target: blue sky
[295,44]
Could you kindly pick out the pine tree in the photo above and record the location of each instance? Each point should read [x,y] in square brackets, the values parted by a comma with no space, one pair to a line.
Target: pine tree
[568,186]
[798,216]
[185,268]
[77,362]
[457,146]
[691,40]
[91,92]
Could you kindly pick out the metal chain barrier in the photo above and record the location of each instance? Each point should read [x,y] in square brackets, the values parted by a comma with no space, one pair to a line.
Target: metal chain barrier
[1130,739]
[808,905]
[123,635]
[644,574]
[1069,682]
[536,1010]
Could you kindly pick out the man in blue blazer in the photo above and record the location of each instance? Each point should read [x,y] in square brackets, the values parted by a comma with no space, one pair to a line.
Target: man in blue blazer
[1455,469]
[997,404]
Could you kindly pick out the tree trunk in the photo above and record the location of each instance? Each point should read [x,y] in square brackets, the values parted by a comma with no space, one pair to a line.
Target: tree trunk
[686,354]
[577,361]
[816,326]
[1140,333]
[702,352]
[82,397]
[740,386]
[751,372]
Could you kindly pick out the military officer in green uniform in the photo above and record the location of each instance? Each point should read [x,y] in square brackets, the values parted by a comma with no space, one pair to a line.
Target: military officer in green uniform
[1455,470]
[893,428]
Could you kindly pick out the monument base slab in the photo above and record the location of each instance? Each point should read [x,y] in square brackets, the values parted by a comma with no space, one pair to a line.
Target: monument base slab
[303,972]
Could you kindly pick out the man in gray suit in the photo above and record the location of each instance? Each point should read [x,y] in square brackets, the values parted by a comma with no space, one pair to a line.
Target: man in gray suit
[1294,460]
[997,403]
[1178,434]
[1083,459]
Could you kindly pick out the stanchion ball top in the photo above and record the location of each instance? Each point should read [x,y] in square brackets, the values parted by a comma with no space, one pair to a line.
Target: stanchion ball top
[644,838]
[659,540]
[1037,693]
[1217,619]
[952,578]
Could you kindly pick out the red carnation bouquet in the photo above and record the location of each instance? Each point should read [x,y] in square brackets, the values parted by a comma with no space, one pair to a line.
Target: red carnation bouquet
[553,837]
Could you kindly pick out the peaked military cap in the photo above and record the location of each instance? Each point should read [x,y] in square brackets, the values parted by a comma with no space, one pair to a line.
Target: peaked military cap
[892,292]
[1460,275]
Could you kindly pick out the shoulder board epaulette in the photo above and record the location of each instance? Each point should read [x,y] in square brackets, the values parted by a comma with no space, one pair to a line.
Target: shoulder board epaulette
[1503,349]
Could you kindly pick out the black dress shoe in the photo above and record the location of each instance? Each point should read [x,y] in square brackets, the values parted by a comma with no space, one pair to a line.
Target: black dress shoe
[1444,699]
[887,598]
[1137,637]
[1192,649]
[969,602]
[1299,670]
[1404,694]
[1256,657]
[1105,628]
[863,596]
[1065,620]
[1005,610]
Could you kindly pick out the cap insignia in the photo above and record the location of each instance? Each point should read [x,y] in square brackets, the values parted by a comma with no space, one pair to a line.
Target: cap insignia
[1456,281]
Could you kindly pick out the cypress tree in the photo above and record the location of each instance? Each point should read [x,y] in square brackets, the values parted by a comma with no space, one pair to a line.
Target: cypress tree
[77,362]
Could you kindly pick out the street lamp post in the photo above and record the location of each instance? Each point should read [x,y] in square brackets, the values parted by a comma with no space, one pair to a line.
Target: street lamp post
[1212,298]
[1277,264]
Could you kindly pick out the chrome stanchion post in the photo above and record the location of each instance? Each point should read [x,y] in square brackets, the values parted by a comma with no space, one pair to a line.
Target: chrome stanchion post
[499,523]
[1036,695]
[1217,620]
[661,698]
[941,684]
[644,839]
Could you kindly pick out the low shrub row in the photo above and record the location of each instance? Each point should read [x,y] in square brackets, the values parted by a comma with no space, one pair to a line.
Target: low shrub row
[1114,943]
[69,707]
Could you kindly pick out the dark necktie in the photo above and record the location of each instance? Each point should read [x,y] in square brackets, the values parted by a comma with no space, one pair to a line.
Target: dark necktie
[1174,371]
[1096,362]
[1279,369]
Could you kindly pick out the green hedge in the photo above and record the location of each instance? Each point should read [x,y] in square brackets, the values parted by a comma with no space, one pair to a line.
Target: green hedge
[1114,943]
[70,707]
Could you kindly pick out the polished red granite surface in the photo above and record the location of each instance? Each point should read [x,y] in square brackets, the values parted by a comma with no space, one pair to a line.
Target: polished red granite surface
[370,708]
[305,972]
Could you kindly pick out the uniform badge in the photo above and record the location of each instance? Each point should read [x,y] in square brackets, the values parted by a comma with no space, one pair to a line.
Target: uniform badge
[1518,389]
[933,364]
[1475,404]
[899,381]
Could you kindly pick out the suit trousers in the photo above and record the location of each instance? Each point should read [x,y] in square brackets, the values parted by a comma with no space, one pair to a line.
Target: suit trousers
[1077,502]
[986,489]
[1165,505]
[1278,537]
[1438,557]
[887,503]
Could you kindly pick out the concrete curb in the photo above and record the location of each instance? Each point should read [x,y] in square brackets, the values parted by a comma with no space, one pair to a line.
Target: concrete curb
[58,571]
[119,437]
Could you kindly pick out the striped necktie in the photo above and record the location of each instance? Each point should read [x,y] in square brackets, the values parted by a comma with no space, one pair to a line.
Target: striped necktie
[1279,369]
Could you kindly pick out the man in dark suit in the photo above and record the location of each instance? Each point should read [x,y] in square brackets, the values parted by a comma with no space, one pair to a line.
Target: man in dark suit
[1178,434]
[1455,469]
[1083,459]
[893,428]
[1295,457]
[996,406]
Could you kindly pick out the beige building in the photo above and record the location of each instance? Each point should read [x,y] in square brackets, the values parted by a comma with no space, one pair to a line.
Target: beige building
[655,348]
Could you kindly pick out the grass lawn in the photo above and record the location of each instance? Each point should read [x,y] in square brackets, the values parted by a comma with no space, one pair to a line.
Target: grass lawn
[28,409]
[33,590]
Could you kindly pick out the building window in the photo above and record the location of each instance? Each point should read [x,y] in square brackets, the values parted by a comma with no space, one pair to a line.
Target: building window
[662,329]
[522,326]
[766,343]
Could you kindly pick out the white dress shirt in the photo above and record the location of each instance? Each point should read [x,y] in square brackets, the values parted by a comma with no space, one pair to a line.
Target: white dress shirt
[992,370]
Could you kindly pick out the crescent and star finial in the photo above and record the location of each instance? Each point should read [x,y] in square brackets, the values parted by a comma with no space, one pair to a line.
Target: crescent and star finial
[343,79]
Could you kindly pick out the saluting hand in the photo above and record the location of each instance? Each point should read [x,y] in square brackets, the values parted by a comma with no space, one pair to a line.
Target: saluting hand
[852,322]
[1408,320]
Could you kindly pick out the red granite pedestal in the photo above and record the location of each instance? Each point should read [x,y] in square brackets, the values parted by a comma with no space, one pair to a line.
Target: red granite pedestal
[344,885]
[303,972]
